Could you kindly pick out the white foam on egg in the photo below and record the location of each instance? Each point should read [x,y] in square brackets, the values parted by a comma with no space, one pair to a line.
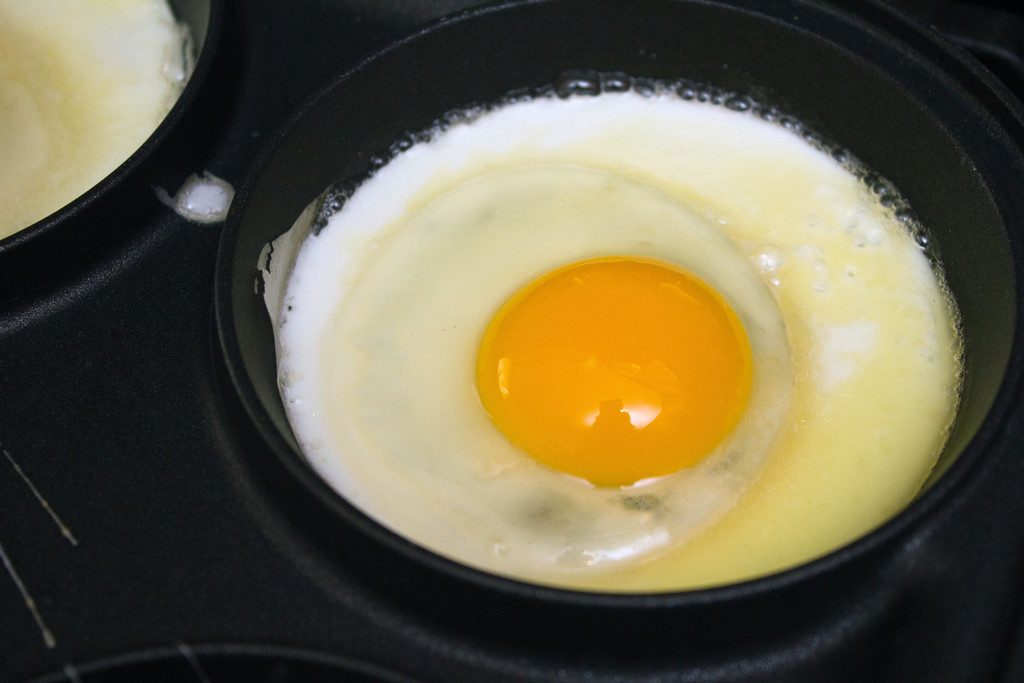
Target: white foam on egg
[841,348]
[384,308]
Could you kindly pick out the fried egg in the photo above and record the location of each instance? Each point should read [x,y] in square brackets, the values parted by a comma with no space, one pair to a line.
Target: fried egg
[623,343]
[82,85]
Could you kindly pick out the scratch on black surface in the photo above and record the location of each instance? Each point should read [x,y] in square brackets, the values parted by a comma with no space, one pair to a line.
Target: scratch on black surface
[72,673]
[190,656]
[64,530]
[48,638]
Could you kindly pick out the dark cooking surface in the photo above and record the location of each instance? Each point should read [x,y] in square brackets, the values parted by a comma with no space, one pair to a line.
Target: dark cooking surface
[115,408]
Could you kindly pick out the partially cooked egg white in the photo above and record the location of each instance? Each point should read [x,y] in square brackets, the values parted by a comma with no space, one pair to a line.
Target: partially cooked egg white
[421,326]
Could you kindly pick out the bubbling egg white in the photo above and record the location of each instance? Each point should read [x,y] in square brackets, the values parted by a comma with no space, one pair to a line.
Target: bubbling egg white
[381,320]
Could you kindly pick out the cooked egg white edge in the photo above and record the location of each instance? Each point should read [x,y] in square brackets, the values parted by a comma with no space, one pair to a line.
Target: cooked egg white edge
[814,233]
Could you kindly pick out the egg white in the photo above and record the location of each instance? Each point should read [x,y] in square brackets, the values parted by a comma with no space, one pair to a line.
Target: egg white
[385,307]
[83,83]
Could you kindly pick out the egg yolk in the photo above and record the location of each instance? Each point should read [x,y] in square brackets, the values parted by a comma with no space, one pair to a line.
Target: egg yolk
[615,369]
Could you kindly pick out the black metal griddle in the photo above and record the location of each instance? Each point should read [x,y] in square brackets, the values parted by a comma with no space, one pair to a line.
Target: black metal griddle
[160,554]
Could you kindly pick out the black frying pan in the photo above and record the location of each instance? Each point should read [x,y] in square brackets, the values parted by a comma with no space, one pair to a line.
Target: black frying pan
[914,109]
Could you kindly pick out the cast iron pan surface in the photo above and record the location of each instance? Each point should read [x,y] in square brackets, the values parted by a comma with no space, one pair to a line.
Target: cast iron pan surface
[175,558]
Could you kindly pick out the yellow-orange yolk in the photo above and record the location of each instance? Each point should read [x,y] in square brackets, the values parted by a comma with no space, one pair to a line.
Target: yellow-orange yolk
[615,370]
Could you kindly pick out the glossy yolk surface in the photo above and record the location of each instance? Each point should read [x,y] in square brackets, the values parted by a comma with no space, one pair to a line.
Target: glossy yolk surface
[615,369]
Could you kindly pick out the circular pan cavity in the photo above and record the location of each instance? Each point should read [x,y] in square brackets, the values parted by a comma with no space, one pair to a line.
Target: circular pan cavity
[38,255]
[912,103]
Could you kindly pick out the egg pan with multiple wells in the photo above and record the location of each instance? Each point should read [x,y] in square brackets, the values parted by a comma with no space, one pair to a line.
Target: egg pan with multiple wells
[142,405]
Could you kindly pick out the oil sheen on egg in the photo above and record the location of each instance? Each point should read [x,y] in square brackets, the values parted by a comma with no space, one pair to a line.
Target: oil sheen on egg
[83,83]
[670,215]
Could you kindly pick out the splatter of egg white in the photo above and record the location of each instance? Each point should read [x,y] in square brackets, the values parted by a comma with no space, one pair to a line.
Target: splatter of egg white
[202,198]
